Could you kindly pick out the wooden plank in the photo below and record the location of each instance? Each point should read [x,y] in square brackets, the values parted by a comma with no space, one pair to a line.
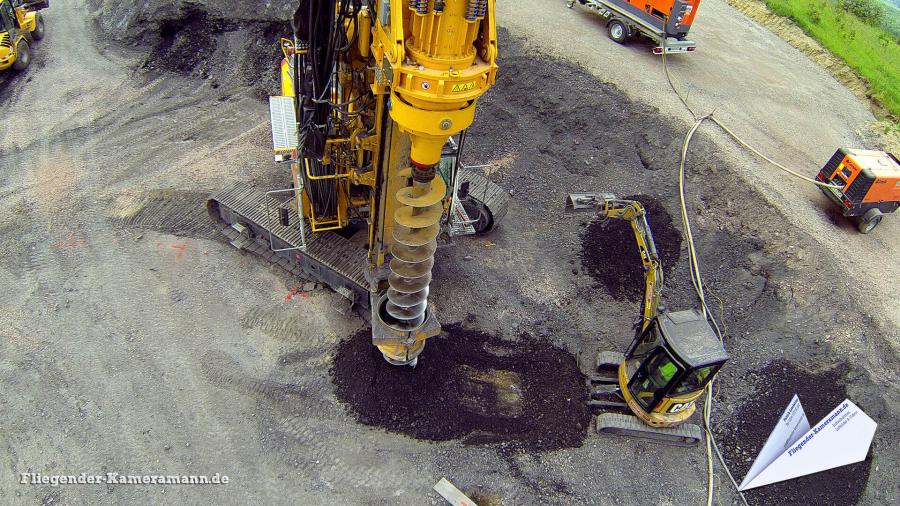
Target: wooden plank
[452,494]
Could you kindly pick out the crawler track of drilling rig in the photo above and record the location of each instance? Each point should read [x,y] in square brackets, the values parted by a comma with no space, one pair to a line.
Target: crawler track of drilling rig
[249,219]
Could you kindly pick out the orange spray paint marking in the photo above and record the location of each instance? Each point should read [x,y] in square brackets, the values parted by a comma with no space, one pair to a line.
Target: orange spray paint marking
[71,243]
[293,293]
[181,248]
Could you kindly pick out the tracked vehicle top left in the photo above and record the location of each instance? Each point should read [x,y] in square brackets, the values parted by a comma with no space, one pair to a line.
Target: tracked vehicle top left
[21,25]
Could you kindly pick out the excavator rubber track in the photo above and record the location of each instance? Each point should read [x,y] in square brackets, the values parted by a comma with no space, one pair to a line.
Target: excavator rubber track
[631,426]
[493,196]
[247,217]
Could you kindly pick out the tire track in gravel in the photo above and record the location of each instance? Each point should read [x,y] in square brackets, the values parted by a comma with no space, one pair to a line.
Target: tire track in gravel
[177,212]
[300,420]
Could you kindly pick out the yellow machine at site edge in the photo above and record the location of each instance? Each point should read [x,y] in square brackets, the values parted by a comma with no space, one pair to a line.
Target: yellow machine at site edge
[20,26]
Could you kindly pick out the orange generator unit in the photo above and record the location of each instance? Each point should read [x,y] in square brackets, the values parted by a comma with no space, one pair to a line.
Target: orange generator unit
[869,184]
[666,22]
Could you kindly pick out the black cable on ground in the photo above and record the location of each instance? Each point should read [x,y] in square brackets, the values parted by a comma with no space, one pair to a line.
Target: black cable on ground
[695,262]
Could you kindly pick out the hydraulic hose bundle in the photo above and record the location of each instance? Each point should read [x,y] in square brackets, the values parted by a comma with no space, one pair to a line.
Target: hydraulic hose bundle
[320,28]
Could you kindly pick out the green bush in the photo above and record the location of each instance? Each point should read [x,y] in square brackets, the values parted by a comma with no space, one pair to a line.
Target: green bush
[869,11]
[866,47]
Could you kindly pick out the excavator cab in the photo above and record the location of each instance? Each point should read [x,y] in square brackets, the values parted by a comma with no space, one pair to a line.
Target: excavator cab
[668,365]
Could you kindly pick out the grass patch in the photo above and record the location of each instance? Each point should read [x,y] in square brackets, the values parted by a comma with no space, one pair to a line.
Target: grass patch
[870,50]
[891,19]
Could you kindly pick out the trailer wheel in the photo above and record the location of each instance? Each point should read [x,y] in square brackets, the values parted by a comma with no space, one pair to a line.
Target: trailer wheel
[869,221]
[23,56]
[617,31]
[38,32]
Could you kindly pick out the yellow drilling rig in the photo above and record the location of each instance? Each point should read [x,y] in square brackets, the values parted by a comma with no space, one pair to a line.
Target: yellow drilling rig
[375,101]
[376,97]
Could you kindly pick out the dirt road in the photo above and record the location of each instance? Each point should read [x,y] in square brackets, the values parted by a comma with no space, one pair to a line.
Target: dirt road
[135,341]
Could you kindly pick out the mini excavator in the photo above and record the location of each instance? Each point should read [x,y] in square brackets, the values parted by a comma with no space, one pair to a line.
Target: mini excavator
[673,357]
[376,97]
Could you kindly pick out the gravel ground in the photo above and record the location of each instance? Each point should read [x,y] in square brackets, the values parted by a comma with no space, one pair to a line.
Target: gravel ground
[138,342]
[766,91]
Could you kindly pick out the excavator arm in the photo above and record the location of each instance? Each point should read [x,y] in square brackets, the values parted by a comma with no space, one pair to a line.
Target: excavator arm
[607,206]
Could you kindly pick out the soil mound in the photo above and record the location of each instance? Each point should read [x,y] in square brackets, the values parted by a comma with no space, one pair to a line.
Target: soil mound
[610,255]
[468,385]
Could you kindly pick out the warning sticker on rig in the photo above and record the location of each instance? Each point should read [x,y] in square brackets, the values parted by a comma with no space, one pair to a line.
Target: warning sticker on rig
[459,88]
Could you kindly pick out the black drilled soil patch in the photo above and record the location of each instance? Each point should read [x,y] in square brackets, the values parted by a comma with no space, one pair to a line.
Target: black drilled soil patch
[743,435]
[468,385]
[610,255]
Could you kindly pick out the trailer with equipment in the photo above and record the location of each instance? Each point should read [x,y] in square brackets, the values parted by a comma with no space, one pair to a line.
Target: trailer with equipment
[866,185]
[663,21]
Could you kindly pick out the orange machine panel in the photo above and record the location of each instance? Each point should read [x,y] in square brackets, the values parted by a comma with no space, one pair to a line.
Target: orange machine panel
[884,172]
[662,8]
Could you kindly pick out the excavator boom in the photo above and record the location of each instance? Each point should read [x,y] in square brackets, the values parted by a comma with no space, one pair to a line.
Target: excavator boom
[607,206]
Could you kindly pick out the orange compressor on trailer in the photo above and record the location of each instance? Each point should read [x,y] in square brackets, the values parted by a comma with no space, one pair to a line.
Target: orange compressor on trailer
[869,184]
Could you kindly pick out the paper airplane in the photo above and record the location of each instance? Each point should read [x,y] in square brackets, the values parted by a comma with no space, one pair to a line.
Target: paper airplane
[793,422]
[794,449]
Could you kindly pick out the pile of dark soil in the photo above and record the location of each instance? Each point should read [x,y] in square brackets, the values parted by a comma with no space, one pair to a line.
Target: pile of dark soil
[228,41]
[468,385]
[610,255]
[743,435]
[187,42]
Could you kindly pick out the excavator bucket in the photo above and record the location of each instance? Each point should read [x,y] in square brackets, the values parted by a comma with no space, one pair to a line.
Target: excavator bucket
[578,202]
